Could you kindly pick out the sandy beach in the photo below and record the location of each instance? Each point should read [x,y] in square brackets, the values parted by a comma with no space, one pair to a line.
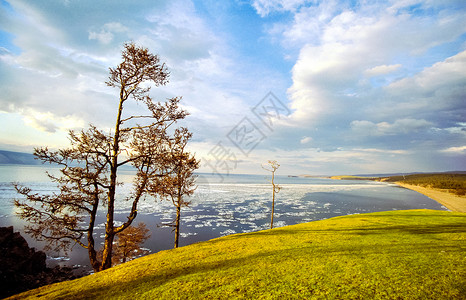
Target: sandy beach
[450,201]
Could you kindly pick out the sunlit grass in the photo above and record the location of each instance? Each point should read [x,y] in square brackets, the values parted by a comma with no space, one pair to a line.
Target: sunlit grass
[417,254]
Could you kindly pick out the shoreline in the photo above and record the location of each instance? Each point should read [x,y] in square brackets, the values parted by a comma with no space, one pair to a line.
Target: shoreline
[452,202]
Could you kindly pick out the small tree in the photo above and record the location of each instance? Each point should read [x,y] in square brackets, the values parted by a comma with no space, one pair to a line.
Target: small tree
[181,182]
[89,168]
[129,243]
[273,166]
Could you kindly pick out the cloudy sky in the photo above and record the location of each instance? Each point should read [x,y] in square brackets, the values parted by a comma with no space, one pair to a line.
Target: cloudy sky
[323,87]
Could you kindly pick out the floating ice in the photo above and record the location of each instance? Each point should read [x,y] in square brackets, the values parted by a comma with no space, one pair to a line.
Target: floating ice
[279,224]
[186,234]
[242,203]
[58,258]
[227,232]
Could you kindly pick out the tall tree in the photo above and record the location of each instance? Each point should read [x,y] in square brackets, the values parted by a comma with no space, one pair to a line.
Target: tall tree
[273,166]
[90,167]
[181,182]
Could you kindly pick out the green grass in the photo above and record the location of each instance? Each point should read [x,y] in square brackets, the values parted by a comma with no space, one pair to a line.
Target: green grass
[416,254]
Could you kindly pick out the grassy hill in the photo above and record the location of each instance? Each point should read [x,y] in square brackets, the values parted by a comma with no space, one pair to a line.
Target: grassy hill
[417,254]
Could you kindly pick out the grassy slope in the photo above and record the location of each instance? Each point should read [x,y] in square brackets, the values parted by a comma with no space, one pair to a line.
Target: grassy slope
[417,254]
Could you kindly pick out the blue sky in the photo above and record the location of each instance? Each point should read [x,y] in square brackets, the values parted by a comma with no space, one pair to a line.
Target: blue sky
[356,86]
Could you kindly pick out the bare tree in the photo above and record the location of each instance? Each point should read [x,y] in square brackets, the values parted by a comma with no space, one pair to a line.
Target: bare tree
[89,168]
[273,166]
[181,182]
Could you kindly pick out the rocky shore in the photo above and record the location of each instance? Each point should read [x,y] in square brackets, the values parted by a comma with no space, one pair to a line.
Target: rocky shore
[23,268]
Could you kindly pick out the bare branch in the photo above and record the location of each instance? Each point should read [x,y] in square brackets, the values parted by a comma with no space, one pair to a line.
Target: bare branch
[90,166]
[135,117]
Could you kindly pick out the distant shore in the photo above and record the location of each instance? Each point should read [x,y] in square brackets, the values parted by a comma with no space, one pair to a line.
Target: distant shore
[450,201]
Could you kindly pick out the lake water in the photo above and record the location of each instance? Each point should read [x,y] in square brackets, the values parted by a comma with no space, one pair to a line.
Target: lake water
[219,207]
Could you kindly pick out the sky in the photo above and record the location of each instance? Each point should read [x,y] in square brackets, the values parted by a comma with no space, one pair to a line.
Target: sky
[323,87]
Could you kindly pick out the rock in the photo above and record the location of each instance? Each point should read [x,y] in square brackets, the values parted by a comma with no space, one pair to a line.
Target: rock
[16,255]
[23,268]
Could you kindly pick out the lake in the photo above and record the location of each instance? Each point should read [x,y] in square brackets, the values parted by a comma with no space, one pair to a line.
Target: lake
[219,207]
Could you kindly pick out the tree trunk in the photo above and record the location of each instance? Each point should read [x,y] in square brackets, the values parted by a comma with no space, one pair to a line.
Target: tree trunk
[273,208]
[109,227]
[125,252]
[90,238]
[273,201]
[108,248]
[177,225]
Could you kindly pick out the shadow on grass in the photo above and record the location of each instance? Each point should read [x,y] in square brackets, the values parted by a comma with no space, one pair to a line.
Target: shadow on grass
[406,237]
[282,256]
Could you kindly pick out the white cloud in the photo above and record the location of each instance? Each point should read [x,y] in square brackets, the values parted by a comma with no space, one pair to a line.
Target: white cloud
[41,122]
[358,70]
[341,161]
[401,126]
[442,75]
[180,34]
[116,27]
[457,150]
[436,92]
[62,69]
[48,122]
[107,33]
[370,80]
[308,24]
[382,70]
[305,140]
[383,151]
[265,7]
[104,37]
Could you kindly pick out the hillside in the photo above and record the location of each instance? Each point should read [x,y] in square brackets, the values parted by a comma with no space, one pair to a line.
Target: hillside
[449,182]
[417,254]
[17,158]
[453,183]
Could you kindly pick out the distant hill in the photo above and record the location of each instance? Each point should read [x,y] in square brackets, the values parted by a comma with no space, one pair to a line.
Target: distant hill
[17,158]
[412,173]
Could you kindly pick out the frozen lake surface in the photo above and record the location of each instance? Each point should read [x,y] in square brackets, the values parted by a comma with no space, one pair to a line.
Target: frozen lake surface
[236,204]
